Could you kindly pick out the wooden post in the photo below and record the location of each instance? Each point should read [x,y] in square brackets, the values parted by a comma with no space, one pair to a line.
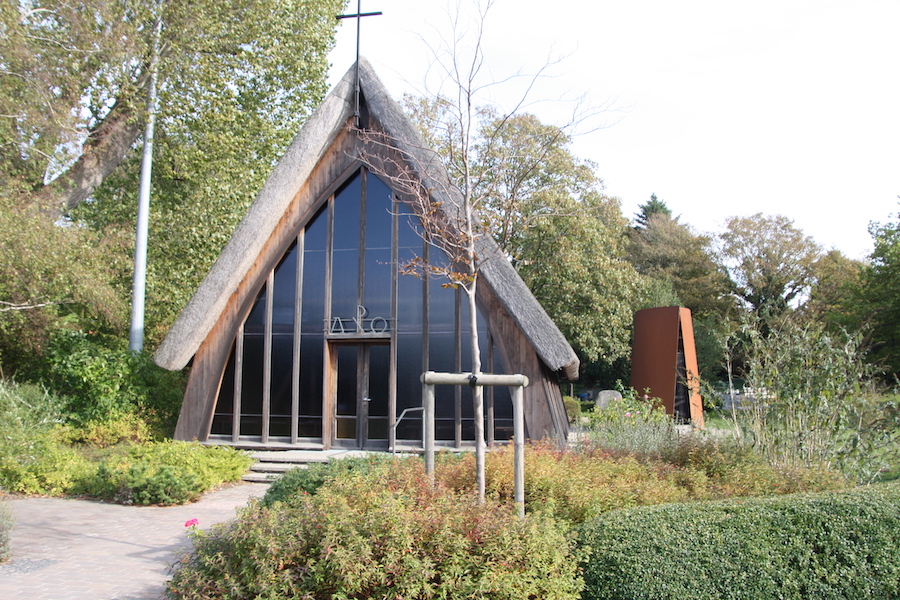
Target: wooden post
[428,418]
[518,451]
[517,382]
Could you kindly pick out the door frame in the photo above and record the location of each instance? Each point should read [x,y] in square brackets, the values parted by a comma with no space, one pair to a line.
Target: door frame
[329,412]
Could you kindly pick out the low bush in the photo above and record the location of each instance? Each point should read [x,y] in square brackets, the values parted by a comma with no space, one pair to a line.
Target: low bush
[103,381]
[164,473]
[828,545]
[293,484]
[576,485]
[369,536]
[32,461]
[573,409]
[6,525]
[632,424]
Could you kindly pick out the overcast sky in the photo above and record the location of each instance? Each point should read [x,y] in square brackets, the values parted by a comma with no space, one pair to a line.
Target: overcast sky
[720,108]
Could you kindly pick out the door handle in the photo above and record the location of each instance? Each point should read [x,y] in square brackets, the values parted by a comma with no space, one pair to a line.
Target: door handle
[367,399]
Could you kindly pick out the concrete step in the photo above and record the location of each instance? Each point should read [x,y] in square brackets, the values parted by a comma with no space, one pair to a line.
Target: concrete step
[272,463]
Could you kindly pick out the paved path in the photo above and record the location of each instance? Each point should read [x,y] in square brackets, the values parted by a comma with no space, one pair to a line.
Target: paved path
[66,549]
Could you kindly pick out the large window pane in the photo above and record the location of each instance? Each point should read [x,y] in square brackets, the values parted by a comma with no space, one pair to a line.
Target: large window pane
[345,251]
[285,292]
[251,393]
[312,313]
[224,413]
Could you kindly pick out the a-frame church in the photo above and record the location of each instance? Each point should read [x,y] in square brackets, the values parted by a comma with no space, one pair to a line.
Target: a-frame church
[306,334]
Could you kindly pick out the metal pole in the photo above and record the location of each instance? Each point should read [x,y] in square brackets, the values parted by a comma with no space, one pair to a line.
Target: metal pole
[139,284]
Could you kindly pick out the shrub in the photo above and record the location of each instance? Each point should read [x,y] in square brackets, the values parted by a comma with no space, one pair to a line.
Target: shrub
[364,536]
[830,545]
[104,381]
[811,404]
[106,433]
[576,485]
[632,424]
[32,461]
[573,409]
[6,525]
[165,473]
[293,484]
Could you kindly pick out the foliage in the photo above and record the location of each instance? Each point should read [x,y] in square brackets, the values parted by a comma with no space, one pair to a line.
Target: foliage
[646,211]
[670,251]
[769,260]
[833,545]
[880,296]
[573,409]
[809,403]
[632,424]
[293,484]
[165,473]
[105,382]
[364,536]
[236,78]
[7,521]
[834,296]
[31,459]
[51,277]
[577,484]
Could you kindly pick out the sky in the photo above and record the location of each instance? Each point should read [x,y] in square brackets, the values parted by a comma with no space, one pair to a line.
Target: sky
[720,108]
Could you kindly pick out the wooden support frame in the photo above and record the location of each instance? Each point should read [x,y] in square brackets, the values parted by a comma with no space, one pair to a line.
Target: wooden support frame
[517,383]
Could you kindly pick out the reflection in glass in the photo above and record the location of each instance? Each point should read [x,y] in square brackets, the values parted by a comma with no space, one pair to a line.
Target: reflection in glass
[251,391]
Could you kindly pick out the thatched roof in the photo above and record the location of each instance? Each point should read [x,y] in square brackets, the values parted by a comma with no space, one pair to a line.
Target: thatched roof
[317,135]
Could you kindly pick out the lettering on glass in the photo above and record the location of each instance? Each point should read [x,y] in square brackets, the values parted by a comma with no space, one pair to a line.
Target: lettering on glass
[361,323]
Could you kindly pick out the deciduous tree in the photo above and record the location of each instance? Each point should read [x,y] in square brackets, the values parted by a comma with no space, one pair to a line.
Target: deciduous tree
[880,295]
[769,261]
[237,77]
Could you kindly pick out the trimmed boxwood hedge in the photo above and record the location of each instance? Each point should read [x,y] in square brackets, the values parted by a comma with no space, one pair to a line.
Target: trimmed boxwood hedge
[824,546]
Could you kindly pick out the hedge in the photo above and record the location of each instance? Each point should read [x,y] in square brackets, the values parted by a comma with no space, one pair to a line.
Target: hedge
[824,546]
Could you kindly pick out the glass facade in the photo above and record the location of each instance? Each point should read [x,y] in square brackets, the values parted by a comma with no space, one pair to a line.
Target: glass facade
[334,344]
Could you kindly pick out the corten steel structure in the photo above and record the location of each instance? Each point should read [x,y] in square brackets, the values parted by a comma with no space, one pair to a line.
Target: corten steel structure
[305,333]
[664,361]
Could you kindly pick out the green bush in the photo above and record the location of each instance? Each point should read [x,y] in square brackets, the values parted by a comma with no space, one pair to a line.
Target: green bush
[367,536]
[825,546]
[104,381]
[812,403]
[6,525]
[165,473]
[573,409]
[576,485]
[32,461]
[632,424]
[293,484]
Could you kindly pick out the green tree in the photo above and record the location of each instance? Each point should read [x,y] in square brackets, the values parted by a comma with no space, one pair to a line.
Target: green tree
[237,77]
[73,88]
[880,296]
[770,262]
[546,209]
[834,295]
[667,250]
[652,207]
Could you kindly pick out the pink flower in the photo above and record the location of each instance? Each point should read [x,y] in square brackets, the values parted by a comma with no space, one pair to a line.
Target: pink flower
[192,523]
[628,414]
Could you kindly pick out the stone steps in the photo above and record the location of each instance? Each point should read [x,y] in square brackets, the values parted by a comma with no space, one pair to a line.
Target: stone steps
[270,464]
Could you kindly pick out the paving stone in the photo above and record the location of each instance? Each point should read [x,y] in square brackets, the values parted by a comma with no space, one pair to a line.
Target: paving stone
[68,549]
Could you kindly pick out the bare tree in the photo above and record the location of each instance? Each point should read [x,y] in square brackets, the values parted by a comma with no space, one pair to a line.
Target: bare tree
[452,209]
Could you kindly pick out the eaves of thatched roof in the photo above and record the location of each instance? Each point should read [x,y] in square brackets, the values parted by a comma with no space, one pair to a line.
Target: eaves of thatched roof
[309,146]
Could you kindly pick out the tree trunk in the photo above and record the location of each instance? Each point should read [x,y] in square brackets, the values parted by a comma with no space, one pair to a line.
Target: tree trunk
[477,390]
[105,149]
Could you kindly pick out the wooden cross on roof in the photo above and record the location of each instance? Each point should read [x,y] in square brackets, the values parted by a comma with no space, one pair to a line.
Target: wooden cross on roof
[358,16]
